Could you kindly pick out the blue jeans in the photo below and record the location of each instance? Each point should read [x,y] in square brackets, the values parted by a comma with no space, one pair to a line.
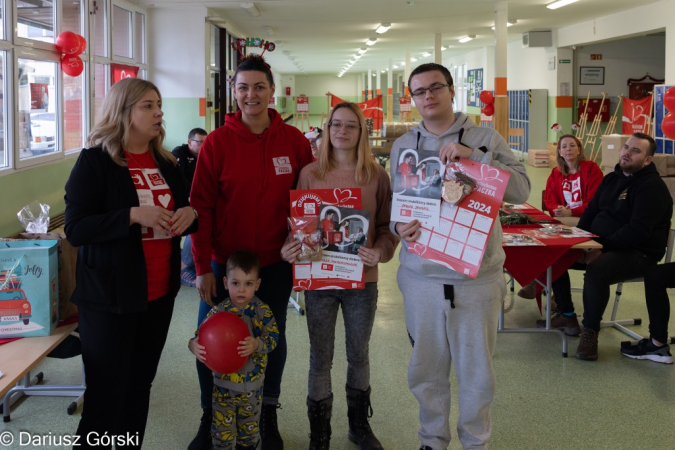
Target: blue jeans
[186,253]
[275,289]
[358,311]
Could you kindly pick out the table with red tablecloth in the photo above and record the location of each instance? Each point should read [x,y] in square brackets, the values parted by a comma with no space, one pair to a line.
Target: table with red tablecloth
[544,263]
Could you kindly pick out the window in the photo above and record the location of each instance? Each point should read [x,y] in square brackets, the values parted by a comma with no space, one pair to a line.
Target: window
[139,41]
[102,80]
[38,130]
[4,147]
[74,113]
[100,35]
[71,16]
[122,36]
[35,20]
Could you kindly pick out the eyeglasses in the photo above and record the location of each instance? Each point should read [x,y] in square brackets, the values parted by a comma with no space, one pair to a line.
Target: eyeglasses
[433,89]
[197,141]
[349,126]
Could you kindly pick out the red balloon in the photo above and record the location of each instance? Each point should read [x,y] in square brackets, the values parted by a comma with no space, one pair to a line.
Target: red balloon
[668,125]
[68,43]
[488,109]
[669,99]
[72,65]
[486,97]
[220,333]
[83,45]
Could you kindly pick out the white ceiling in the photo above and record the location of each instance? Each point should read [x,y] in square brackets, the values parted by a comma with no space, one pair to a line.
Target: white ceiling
[323,35]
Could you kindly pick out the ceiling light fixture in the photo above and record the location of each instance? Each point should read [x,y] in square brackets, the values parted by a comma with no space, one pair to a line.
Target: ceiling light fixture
[270,31]
[250,8]
[394,67]
[383,28]
[560,4]
[371,41]
[362,50]
[413,59]
[508,24]
[467,38]
[425,54]
[357,56]
[443,48]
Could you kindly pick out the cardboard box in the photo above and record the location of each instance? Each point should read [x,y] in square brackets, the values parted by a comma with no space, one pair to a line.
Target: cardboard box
[538,158]
[665,164]
[670,182]
[611,148]
[31,307]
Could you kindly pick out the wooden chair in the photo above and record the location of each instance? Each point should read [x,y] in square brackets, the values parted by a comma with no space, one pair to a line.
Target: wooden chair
[621,324]
[519,134]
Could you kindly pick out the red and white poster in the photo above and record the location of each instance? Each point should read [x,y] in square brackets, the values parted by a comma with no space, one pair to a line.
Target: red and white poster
[405,104]
[458,241]
[303,104]
[636,114]
[342,228]
[39,96]
[371,109]
[121,71]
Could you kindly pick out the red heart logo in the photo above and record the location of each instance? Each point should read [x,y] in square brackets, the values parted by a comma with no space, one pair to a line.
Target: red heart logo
[342,195]
[418,248]
[303,285]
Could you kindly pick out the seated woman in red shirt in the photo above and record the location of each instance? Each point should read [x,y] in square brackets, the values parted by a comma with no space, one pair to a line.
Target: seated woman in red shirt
[569,188]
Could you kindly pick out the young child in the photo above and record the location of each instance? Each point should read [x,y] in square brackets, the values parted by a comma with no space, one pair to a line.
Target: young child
[239,395]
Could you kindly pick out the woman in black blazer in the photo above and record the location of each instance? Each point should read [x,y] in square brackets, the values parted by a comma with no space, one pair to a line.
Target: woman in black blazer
[126,209]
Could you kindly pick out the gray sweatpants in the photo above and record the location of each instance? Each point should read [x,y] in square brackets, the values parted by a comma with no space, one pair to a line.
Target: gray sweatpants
[358,312]
[467,335]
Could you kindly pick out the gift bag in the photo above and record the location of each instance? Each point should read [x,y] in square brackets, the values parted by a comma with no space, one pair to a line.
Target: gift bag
[28,287]
[67,260]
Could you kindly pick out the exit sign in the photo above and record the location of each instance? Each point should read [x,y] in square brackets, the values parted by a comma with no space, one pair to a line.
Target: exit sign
[596,57]
[564,61]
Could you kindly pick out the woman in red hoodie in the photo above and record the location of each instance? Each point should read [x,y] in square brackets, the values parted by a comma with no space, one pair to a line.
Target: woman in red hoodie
[241,187]
[569,188]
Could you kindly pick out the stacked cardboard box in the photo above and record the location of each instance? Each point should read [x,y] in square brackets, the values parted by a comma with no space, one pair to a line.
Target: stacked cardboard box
[552,148]
[611,150]
[538,158]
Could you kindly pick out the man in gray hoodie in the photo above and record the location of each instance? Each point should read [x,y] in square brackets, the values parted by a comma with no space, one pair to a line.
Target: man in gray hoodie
[449,316]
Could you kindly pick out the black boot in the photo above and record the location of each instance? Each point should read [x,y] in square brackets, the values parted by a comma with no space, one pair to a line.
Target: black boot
[319,414]
[269,431]
[203,439]
[358,411]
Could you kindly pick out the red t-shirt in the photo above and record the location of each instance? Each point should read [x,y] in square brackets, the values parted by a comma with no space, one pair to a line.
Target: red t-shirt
[571,187]
[153,191]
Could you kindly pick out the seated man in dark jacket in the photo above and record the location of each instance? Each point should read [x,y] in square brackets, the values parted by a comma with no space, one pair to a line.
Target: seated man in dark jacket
[630,212]
[186,155]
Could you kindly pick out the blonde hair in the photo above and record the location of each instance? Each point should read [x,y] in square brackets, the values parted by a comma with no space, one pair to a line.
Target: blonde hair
[366,167]
[562,164]
[111,132]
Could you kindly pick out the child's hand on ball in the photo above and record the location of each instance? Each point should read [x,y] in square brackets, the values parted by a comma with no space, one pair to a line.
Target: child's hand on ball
[248,346]
[198,350]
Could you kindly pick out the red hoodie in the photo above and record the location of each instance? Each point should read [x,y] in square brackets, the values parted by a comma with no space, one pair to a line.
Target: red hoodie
[241,190]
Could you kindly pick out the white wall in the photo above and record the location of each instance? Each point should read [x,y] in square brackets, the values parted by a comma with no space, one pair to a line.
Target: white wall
[317,85]
[482,58]
[639,21]
[527,68]
[623,59]
[177,61]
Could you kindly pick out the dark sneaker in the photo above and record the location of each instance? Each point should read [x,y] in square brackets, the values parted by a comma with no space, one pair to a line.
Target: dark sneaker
[269,429]
[588,345]
[568,325]
[646,349]
[529,291]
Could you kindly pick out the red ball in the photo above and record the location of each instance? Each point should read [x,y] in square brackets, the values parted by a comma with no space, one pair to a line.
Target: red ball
[72,65]
[668,125]
[489,109]
[487,98]
[68,43]
[220,334]
[83,45]
[669,99]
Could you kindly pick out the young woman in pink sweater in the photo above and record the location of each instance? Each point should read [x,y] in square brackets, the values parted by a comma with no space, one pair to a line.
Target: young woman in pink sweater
[345,161]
